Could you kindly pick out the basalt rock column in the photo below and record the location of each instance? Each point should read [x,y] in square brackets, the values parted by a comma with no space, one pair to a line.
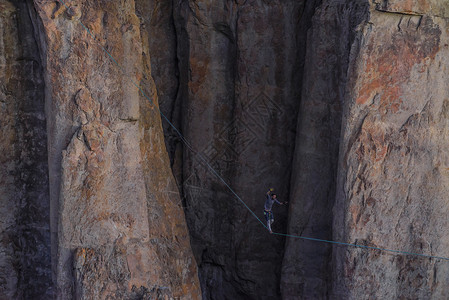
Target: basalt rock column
[118,230]
[393,168]
[25,271]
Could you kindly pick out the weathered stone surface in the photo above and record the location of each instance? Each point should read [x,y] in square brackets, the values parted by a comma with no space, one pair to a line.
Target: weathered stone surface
[392,179]
[159,37]
[306,269]
[439,8]
[24,198]
[238,70]
[115,206]
[9,276]
[340,105]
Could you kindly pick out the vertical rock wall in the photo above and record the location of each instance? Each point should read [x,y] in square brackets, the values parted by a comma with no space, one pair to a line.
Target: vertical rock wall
[238,72]
[24,198]
[107,192]
[340,105]
[220,43]
[392,179]
[115,210]
[159,36]
[306,268]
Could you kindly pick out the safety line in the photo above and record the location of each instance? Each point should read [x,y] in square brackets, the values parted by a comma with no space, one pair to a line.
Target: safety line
[221,178]
[361,246]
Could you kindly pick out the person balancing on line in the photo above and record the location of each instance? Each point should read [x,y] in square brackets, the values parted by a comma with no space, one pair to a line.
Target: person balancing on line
[271,198]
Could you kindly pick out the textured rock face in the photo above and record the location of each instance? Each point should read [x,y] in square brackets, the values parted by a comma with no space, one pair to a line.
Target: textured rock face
[238,85]
[113,196]
[24,199]
[107,191]
[414,7]
[364,75]
[159,36]
[306,268]
[392,180]
[341,105]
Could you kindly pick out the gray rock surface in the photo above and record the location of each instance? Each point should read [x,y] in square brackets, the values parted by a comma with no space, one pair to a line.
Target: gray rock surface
[24,197]
[159,37]
[105,188]
[240,95]
[392,179]
[340,105]
[306,269]
[114,199]
[224,62]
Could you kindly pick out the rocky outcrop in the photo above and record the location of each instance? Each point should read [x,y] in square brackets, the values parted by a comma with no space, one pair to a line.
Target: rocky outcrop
[24,197]
[369,70]
[340,105]
[114,198]
[392,178]
[107,192]
[433,8]
[354,57]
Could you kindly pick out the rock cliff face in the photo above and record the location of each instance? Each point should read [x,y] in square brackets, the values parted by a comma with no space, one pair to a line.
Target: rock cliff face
[352,72]
[340,105]
[24,195]
[392,179]
[306,268]
[107,193]
[239,87]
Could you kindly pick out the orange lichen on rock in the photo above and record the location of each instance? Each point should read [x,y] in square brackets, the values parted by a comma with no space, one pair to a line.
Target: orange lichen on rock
[388,66]
[373,141]
[407,6]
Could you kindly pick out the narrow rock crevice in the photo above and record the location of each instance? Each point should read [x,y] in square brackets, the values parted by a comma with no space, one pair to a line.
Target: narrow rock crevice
[238,93]
[24,191]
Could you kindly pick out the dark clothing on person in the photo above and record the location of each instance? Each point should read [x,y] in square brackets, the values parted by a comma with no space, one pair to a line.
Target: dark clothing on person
[269,203]
[269,217]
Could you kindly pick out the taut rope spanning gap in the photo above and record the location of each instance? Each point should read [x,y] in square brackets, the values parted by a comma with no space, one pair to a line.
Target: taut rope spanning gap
[221,178]
[361,246]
